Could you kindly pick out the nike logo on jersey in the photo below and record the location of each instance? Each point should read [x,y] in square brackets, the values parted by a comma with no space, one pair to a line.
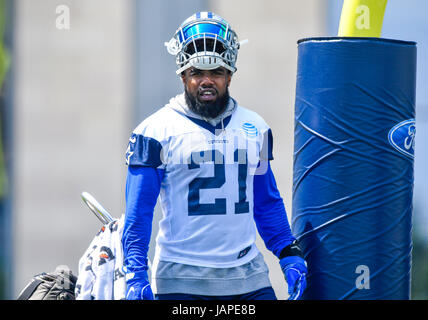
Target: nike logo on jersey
[244,252]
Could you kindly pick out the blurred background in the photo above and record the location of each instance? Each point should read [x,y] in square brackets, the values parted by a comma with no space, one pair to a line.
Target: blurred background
[78,76]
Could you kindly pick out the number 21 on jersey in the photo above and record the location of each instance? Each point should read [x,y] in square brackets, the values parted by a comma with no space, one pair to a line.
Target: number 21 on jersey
[196,208]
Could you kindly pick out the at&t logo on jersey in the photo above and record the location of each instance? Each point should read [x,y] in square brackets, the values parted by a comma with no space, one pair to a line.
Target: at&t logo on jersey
[402,137]
[250,130]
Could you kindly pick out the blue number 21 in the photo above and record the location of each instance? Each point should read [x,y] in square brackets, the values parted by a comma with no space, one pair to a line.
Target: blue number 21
[219,206]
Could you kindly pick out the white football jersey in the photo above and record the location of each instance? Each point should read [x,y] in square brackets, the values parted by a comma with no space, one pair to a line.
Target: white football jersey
[207,190]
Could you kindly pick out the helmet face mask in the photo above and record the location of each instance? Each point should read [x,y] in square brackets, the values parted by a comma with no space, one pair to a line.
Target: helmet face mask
[204,41]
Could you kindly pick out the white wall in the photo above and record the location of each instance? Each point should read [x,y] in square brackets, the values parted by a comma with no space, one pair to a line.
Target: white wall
[72,106]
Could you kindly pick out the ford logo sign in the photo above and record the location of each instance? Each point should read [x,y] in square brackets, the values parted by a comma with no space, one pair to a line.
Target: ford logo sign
[402,137]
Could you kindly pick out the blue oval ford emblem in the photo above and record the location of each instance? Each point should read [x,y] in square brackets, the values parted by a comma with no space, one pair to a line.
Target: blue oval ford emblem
[402,137]
[250,130]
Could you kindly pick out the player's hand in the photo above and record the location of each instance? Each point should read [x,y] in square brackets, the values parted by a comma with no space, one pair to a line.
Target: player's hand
[295,271]
[138,286]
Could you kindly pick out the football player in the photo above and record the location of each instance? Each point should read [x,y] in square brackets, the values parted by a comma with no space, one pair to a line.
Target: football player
[207,158]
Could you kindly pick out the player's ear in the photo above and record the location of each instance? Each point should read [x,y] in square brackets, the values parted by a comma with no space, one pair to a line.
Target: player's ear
[183,77]
[229,78]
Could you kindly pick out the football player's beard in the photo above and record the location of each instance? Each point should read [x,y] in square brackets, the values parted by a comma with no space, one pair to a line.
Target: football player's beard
[207,109]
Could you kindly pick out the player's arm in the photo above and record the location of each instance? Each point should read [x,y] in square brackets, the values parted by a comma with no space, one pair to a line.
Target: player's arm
[143,182]
[142,190]
[273,226]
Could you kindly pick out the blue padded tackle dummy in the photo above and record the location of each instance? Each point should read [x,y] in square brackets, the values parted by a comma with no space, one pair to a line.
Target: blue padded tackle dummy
[353,166]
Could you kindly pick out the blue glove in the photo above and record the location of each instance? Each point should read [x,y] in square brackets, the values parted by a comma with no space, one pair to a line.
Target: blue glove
[138,286]
[295,271]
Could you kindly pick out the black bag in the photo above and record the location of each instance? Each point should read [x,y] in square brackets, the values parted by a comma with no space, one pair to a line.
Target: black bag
[58,285]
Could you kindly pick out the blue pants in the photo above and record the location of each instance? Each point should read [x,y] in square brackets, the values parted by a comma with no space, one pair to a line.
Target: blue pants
[261,294]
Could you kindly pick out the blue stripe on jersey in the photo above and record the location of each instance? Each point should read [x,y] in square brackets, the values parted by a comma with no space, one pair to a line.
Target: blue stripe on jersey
[142,190]
[144,151]
[269,213]
[267,149]
[210,127]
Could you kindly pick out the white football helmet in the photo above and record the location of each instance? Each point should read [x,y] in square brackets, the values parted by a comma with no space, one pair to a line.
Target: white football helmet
[205,41]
